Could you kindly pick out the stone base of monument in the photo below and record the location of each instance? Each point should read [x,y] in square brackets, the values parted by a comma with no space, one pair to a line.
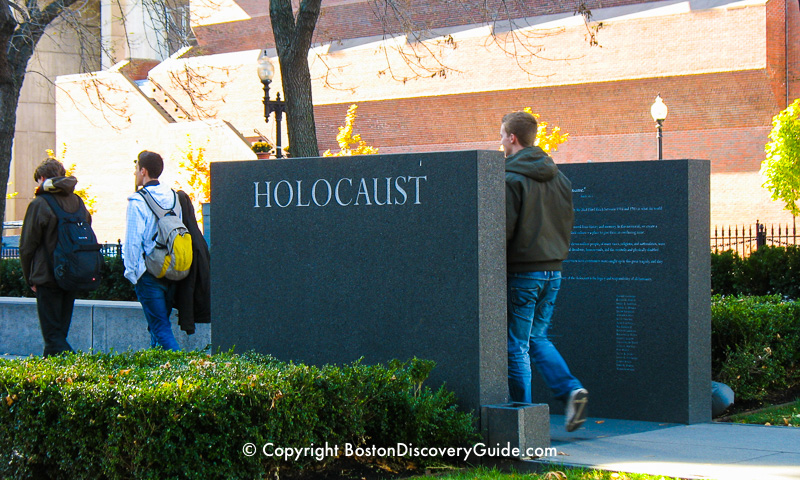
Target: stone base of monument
[515,430]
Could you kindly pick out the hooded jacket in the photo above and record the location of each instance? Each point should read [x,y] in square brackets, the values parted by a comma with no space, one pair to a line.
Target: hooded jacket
[539,214]
[39,229]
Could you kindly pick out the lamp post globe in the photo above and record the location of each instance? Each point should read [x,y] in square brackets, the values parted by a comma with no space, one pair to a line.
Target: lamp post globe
[659,113]
[658,110]
[266,72]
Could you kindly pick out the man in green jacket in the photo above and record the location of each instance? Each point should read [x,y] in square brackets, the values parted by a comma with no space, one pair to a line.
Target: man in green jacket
[539,219]
[36,244]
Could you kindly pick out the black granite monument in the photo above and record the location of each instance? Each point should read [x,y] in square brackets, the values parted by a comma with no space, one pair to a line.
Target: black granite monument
[326,260]
[633,317]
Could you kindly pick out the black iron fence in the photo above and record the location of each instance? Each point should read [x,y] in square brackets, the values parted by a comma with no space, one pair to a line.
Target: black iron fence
[746,239]
[743,239]
[108,249]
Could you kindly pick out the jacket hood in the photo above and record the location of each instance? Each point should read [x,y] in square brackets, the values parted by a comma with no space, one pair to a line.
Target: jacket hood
[533,163]
[62,185]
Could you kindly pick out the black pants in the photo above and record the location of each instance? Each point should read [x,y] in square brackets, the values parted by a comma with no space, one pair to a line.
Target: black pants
[54,306]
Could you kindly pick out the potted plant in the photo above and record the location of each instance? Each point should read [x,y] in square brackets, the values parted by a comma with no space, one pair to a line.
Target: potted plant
[262,148]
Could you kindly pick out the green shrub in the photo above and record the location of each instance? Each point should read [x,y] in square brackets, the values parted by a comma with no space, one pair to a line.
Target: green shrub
[724,269]
[113,286]
[770,271]
[755,345]
[12,283]
[156,414]
[767,271]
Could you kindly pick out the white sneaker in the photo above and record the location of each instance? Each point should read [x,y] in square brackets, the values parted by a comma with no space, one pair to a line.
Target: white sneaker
[576,409]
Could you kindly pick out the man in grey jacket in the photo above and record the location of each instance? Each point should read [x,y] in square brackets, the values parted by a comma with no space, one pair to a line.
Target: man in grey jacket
[539,219]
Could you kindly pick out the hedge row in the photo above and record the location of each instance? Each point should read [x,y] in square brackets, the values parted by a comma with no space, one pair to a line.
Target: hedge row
[768,271]
[755,346]
[112,287]
[159,415]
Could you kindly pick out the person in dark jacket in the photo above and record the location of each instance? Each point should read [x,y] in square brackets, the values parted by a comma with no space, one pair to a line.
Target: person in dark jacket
[539,220]
[36,245]
[193,294]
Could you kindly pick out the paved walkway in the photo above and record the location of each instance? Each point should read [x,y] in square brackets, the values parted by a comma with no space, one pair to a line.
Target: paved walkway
[706,450]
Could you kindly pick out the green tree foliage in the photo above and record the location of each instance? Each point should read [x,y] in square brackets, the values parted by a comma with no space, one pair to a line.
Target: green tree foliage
[781,168]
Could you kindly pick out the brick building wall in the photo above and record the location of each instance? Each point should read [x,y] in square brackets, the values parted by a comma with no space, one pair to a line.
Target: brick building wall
[723,115]
[696,103]
[793,49]
[340,20]
[724,72]
[724,69]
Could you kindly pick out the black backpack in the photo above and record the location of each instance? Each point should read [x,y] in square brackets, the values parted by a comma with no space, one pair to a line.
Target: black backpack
[77,262]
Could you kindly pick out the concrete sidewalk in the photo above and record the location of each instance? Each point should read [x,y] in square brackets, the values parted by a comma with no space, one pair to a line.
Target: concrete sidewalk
[706,450]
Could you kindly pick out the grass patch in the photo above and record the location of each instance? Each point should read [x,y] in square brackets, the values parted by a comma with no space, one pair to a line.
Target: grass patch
[784,415]
[482,473]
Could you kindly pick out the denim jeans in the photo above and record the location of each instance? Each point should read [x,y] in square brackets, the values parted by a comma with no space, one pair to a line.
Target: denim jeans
[156,298]
[531,298]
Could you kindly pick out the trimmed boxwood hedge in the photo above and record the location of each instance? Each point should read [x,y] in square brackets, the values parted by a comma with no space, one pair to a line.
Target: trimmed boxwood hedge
[188,415]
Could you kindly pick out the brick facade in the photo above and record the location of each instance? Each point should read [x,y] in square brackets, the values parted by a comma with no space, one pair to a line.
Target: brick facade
[699,124]
[724,72]
[793,60]
[365,18]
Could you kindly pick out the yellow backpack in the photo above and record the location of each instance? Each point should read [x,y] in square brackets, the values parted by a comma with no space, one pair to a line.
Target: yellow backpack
[172,257]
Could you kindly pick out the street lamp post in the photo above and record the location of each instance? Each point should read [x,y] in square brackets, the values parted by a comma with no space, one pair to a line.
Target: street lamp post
[659,113]
[266,72]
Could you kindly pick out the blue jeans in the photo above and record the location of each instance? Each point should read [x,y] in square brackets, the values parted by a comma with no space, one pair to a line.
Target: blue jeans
[156,298]
[531,298]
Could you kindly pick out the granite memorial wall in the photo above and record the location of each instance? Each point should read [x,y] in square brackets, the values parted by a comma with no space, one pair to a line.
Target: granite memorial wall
[633,317]
[327,260]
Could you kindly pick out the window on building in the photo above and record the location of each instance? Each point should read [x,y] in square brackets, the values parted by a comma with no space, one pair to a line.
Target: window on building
[177,26]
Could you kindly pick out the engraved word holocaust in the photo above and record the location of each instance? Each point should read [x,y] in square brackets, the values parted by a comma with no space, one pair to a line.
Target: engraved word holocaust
[343,192]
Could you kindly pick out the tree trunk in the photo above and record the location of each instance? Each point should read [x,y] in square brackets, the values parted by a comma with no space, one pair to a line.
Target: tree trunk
[293,40]
[300,109]
[17,43]
[9,98]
